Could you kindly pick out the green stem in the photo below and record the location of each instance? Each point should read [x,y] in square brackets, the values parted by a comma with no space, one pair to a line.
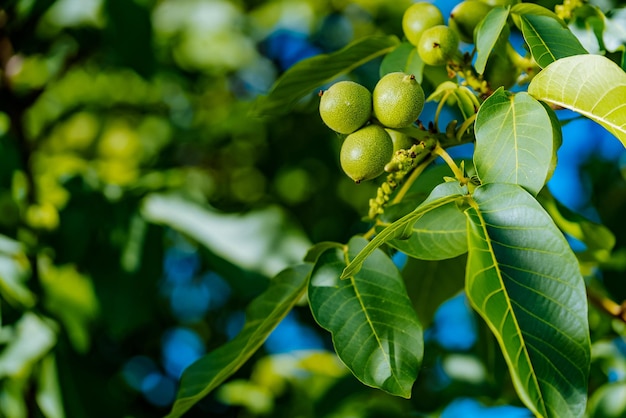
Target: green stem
[439,108]
[527,65]
[446,157]
[465,126]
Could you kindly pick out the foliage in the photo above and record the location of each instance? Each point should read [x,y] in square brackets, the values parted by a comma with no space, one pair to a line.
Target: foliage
[171,204]
[522,276]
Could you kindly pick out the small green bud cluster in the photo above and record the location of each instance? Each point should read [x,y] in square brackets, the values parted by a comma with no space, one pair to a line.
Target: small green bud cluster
[350,109]
[402,162]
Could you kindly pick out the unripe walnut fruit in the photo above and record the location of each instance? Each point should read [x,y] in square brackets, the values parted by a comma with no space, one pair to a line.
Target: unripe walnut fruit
[398,100]
[345,106]
[419,17]
[365,153]
[437,45]
[399,140]
[466,16]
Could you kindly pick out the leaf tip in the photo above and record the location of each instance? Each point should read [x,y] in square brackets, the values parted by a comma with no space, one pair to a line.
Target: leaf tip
[345,274]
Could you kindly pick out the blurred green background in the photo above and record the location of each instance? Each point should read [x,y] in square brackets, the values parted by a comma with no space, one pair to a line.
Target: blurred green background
[142,207]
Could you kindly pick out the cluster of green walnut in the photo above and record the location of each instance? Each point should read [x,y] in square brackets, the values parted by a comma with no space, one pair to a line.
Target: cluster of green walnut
[371,121]
[368,118]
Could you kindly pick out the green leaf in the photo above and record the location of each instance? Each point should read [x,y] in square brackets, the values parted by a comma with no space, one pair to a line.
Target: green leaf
[614,35]
[557,138]
[438,234]
[33,337]
[14,273]
[488,32]
[405,59]
[609,400]
[72,298]
[524,280]
[263,314]
[309,74]
[48,390]
[514,141]
[591,85]
[375,330]
[522,9]
[316,250]
[548,39]
[440,196]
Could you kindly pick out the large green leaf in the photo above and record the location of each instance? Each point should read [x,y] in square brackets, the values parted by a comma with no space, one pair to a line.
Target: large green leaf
[441,195]
[263,314]
[548,39]
[405,59]
[524,280]
[439,234]
[488,32]
[375,330]
[514,141]
[309,74]
[591,85]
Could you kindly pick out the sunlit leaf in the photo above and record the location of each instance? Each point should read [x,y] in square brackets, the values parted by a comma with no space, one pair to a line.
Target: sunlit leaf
[591,85]
[34,337]
[524,280]
[609,400]
[521,9]
[548,39]
[263,314]
[614,36]
[442,195]
[263,240]
[14,271]
[48,390]
[404,59]
[439,234]
[71,296]
[375,330]
[514,141]
[12,400]
[488,33]
[311,73]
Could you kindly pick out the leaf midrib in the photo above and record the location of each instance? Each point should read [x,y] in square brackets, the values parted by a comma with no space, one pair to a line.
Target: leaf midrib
[585,113]
[536,33]
[370,323]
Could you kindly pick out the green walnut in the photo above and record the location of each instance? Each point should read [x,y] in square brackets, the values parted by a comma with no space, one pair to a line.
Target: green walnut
[345,106]
[400,140]
[438,45]
[398,100]
[419,17]
[365,153]
[466,16]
